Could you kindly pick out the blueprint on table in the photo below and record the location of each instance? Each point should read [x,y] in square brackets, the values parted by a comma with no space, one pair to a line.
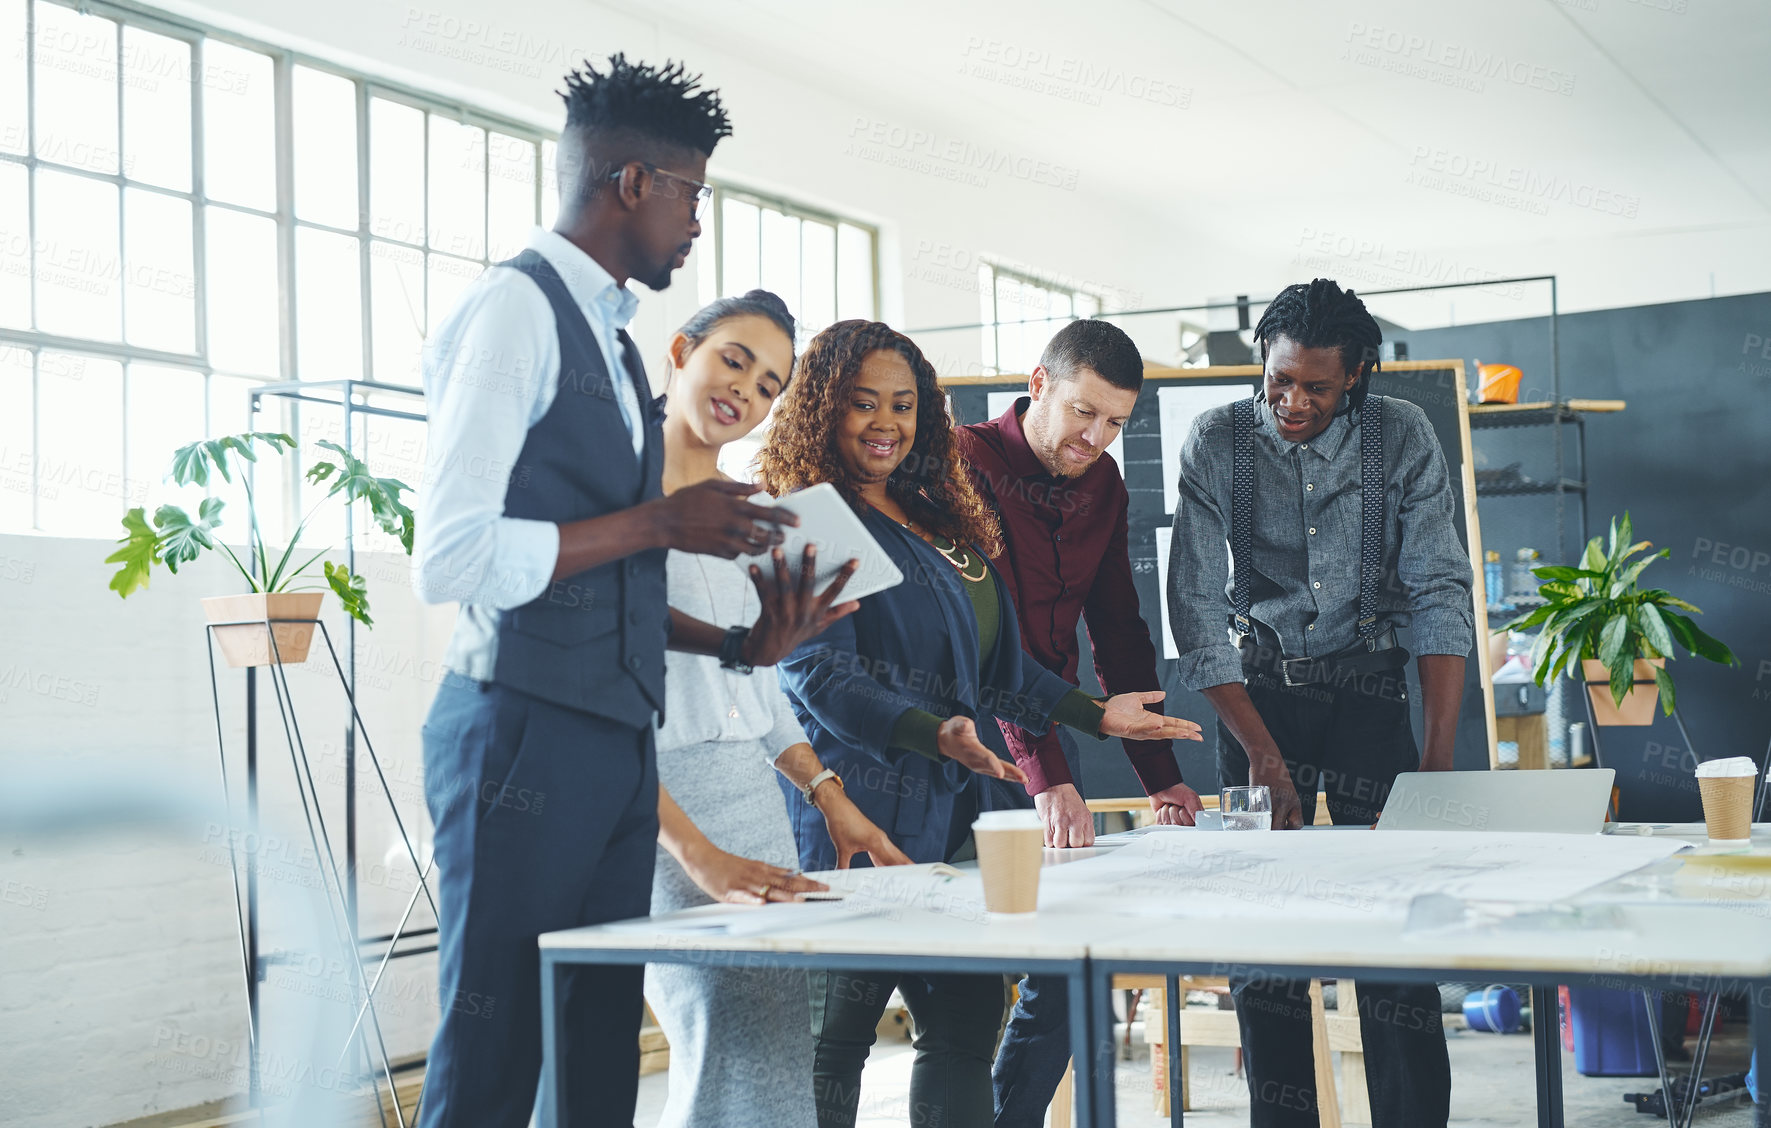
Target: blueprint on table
[1315,875]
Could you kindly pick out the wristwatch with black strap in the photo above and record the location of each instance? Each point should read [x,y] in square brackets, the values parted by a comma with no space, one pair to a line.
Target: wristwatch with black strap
[731,650]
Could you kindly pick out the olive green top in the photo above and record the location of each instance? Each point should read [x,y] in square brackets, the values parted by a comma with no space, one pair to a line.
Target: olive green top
[915,729]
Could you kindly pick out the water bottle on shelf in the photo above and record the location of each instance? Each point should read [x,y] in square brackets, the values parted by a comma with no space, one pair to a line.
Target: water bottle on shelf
[1556,726]
[1524,584]
[1577,742]
[1491,580]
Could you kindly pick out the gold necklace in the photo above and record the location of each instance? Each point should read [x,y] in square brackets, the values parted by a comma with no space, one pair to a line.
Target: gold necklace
[962,559]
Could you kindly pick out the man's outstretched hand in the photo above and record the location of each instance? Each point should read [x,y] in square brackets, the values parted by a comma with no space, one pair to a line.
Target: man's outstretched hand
[1125,716]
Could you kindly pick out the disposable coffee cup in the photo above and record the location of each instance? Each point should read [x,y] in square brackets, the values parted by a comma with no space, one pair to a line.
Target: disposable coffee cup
[1727,788]
[1011,846]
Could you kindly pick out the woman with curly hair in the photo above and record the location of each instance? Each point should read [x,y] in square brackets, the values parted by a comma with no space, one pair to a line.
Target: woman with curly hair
[890,696]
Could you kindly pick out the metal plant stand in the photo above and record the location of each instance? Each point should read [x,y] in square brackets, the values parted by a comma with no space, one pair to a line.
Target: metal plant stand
[337,884]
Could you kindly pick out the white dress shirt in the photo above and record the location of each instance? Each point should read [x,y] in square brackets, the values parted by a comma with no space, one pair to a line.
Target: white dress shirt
[490,373]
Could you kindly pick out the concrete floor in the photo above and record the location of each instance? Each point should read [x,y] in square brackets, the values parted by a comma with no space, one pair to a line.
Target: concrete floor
[1493,1087]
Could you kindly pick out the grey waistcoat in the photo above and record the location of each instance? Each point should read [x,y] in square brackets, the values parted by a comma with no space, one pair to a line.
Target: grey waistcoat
[595,640]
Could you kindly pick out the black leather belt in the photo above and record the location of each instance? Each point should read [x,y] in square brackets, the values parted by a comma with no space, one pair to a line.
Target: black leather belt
[1367,656]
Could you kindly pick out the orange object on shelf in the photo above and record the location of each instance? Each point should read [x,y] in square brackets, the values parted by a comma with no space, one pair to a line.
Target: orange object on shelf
[1499,382]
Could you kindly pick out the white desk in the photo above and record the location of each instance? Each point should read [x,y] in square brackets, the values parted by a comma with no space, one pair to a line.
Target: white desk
[1650,937]
[953,936]
[1649,929]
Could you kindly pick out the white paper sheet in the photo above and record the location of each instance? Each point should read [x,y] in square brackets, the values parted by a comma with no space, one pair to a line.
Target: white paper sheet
[740,920]
[1164,534]
[1164,545]
[1305,876]
[1177,405]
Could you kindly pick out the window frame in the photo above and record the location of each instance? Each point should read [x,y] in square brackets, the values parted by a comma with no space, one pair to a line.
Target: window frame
[992,325]
[716,208]
[33,341]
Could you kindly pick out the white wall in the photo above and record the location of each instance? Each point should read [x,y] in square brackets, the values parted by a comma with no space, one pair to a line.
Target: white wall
[793,136]
[120,988]
[121,992]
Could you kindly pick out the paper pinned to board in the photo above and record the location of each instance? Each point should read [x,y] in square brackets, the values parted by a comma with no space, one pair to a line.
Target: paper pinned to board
[1178,404]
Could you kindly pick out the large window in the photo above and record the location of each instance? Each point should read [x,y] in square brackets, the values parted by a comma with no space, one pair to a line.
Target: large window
[184,214]
[822,266]
[1020,313]
[825,268]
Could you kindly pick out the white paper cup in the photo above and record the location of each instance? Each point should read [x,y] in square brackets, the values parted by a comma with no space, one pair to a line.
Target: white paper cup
[1011,848]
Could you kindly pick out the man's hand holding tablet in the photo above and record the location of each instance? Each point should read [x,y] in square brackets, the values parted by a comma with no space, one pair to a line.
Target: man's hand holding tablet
[714,518]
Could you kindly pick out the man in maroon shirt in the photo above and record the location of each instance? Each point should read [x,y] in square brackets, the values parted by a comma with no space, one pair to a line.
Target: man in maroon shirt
[1065,559]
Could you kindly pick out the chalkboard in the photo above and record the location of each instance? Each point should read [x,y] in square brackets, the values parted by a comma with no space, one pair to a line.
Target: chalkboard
[1437,386]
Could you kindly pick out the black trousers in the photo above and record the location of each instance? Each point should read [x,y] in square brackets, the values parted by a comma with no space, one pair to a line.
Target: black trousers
[1350,738]
[956,1020]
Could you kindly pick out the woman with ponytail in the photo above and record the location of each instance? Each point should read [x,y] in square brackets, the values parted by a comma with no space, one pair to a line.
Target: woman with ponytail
[740,1044]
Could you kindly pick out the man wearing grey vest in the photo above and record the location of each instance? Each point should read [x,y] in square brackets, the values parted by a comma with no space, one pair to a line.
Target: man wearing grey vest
[1339,512]
[544,517]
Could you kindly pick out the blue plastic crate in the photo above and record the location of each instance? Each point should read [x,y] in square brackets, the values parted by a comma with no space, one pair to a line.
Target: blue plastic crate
[1611,1035]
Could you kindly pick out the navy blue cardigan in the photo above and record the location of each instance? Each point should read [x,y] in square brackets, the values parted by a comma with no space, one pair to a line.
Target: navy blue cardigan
[910,646]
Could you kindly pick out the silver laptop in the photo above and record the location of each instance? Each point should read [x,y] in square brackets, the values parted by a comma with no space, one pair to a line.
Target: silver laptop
[1568,801]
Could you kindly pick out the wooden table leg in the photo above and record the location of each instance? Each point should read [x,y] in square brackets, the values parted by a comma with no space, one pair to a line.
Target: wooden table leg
[1328,1105]
[1358,1098]
[1064,1100]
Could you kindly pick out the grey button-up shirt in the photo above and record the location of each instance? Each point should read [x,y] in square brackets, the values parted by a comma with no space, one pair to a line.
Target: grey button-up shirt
[1304,587]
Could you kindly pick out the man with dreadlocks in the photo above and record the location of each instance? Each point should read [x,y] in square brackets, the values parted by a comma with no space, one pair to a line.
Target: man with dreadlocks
[545,518]
[1337,506]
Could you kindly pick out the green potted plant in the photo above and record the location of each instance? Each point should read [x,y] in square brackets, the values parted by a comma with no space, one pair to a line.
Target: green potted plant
[276,589]
[1621,633]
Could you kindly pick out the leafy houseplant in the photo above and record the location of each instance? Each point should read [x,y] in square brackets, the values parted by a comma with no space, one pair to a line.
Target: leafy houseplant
[1599,615]
[279,590]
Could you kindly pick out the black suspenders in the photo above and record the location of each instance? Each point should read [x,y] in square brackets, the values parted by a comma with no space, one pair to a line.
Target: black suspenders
[1371,512]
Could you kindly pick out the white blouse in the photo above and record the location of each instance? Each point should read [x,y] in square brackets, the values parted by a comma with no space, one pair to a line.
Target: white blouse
[702,702]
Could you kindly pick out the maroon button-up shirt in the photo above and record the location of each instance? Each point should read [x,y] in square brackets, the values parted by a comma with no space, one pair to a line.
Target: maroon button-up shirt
[1065,560]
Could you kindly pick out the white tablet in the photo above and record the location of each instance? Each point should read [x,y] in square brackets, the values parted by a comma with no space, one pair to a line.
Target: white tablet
[826,520]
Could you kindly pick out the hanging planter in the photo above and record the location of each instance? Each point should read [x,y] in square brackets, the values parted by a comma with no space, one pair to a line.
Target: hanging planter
[246,645]
[1637,706]
[1621,633]
[276,583]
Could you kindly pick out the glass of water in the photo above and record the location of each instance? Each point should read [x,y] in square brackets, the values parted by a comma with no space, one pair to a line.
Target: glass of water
[1246,808]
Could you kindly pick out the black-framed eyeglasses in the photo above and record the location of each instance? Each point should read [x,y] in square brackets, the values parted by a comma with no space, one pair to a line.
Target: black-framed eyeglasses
[699,195]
